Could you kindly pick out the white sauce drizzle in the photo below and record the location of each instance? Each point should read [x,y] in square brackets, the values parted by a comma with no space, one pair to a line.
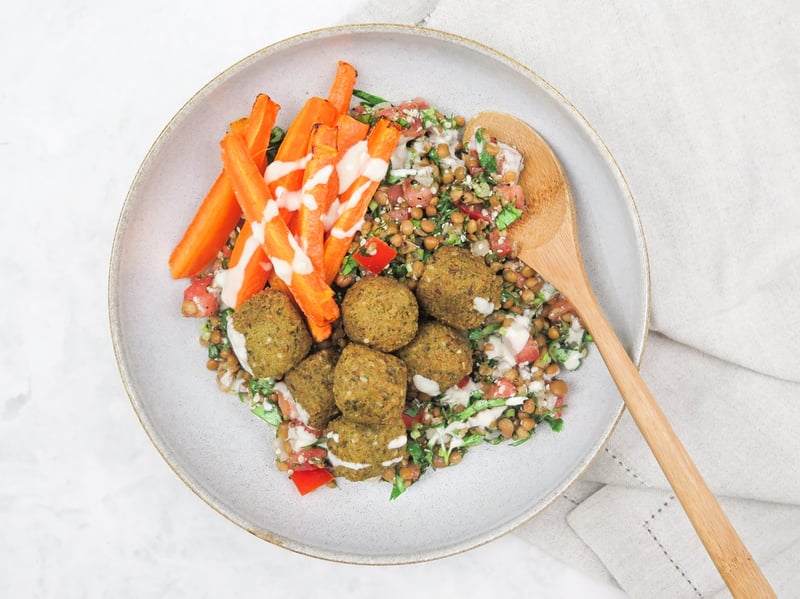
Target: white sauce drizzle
[506,346]
[351,164]
[270,211]
[375,169]
[355,198]
[426,385]
[321,177]
[573,360]
[398,442]
[230,280]
[277,169]
[291,200]
[575,333]
[456,395]
[301,264]
[297,411]
[238,345]
[482,305]
[485,417]
[309,201]
[283,269]
[342,234]
[335,461]
[329,219]
[299,437]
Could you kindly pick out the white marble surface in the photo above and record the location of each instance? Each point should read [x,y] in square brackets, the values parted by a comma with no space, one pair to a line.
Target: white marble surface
[87,506]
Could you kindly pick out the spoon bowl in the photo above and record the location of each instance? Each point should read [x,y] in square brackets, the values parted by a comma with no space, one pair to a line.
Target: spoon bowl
[548,242]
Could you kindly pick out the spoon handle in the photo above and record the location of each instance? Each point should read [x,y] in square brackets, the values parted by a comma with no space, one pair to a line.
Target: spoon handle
[729,554]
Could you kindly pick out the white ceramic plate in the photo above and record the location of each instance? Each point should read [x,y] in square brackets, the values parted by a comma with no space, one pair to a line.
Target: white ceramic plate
[222,451]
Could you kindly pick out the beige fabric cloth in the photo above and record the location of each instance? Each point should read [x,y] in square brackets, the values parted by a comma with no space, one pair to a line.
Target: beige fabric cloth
[697,103]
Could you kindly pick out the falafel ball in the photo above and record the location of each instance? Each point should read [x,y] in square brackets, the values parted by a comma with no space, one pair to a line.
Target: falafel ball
[358,451]
[380,312]
[275,334]
[311,384]
[437,358]
[458,288]
[369,386]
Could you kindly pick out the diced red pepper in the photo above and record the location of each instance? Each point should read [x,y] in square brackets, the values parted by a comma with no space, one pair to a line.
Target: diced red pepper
[309,480]
[375,255]
[475,212]
[463,382]
[411,420]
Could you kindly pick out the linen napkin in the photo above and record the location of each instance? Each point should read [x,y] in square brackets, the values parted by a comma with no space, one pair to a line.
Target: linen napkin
[697,103]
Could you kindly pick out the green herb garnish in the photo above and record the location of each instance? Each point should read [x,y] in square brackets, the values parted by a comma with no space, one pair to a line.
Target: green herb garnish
[507,215]
[268,412]
[368,99]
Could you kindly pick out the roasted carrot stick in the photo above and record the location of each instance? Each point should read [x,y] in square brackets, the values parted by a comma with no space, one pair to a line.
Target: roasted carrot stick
[309,290]
[341,91]
[381,143]
[285,174]
[349,132]
[316,185]
[246,275]
[219,212]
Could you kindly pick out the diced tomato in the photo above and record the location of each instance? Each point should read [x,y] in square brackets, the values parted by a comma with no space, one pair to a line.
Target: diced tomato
[475,212]
[309,480]
[226,253]
[529,353]
[403,112]
[307,458]
[416,196]
[206,302]
[410,421]
[555,310]
[558,404]
[501,388]
[287,407]
[398,214]
[512,193]
[375,255]
[393,192]
[501,243]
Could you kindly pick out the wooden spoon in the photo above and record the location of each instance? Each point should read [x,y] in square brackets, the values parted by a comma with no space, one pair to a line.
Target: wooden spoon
[548,243]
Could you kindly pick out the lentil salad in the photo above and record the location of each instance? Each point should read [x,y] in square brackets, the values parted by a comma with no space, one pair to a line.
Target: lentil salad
[439,191]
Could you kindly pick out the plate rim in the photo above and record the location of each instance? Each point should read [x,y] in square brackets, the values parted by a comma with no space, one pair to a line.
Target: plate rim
[208,498]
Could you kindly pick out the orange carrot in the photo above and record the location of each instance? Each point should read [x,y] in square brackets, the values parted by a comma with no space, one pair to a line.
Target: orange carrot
[381,143]
[341,91]
[316,185]
[286,171]
[247,273]
[349,132]
[311,293]
[219,212]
